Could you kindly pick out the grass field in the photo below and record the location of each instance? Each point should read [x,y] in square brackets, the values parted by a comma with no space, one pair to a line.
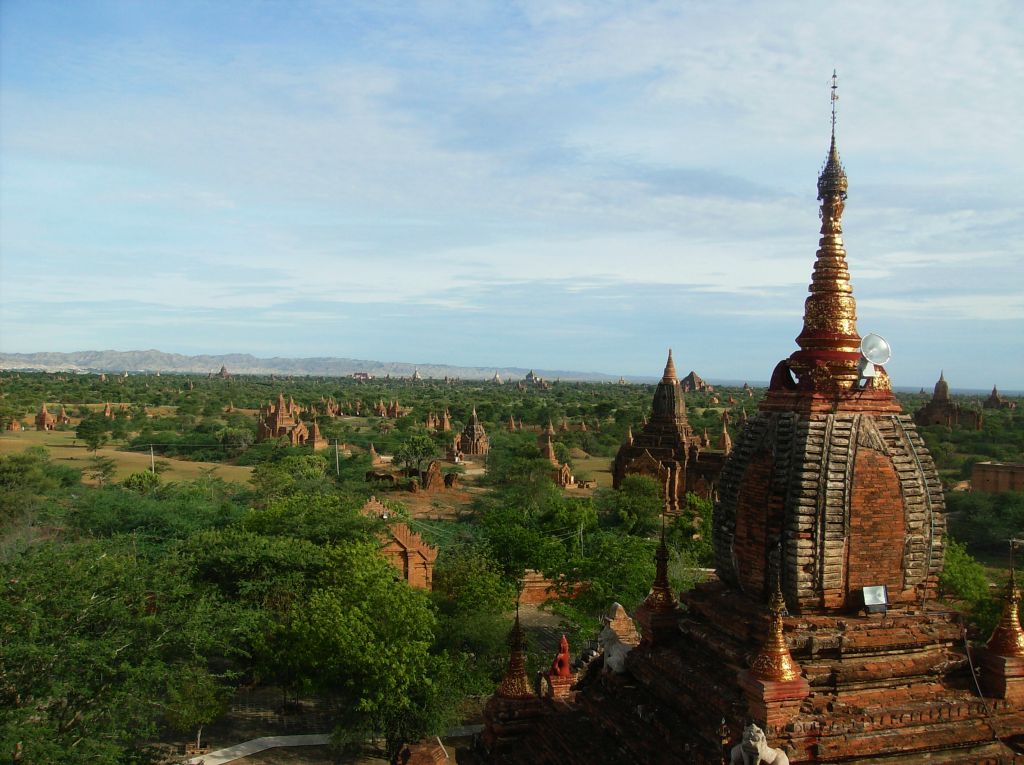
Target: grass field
[63,449]
[599,469]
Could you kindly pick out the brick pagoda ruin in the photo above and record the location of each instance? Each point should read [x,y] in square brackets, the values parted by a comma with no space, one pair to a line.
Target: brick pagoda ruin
[561,473]
[473,441]
[281,420]
[694,383]
[45,420]
[667,450]
[995,401]
[828,500]
[404,548]
[942,410]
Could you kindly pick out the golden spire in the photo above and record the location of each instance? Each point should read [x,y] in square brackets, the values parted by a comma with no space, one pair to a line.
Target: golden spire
[774,662]
[660,597]
[829,343]
[670,370]
[515,684]
[1008,638]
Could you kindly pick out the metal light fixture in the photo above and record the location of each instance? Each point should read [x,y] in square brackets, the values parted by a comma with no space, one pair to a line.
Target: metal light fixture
[874,351]
[876,598]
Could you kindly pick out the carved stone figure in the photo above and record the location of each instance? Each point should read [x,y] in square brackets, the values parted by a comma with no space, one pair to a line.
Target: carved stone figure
[614,650]
[753,749]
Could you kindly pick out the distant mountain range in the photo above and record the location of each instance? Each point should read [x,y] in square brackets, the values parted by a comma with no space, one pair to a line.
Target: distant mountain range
[246,364]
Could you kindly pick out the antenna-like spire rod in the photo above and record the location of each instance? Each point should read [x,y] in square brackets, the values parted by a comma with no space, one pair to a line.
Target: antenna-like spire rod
[835,97]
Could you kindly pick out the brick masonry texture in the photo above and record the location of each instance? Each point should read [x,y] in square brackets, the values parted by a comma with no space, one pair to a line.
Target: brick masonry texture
[846,493]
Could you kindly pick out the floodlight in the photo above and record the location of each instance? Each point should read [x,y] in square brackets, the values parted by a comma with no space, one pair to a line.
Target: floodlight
[876,598]
[873,350]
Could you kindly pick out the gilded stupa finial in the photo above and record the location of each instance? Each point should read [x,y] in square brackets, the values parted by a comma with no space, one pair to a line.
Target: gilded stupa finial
[515,684]
[774,662]
[1008,637]
[829,343]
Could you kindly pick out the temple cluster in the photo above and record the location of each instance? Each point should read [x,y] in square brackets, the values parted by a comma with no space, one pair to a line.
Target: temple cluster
[819,638]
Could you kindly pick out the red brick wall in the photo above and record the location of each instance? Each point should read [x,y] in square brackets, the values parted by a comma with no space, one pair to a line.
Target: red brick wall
[537,589]
[877,526]
[997,477]
[753,524]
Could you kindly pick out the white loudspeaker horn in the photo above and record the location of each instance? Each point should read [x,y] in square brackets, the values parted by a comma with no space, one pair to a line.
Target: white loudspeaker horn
[874,350]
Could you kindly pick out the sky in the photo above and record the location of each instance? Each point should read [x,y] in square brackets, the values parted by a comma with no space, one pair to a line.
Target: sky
[567,185]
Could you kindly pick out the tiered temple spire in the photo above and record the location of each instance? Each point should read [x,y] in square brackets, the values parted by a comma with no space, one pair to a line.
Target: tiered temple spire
[1008,638]
[515,684]
[660,597]
[829,343]
[773,661]
[669,375]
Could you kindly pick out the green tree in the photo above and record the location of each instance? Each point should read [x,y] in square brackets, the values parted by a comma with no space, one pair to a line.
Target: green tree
[142,482]
[237,440]
[964,579]
[319,518]
[26,476]
[366,637]
[101,469]
[474,601]
[194,699]
[636,506]
[91,630]
[94,431]
[616,568]
[293,473]
[415,452]
[467,579]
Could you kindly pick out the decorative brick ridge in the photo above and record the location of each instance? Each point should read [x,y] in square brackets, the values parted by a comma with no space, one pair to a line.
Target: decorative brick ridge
[827,475]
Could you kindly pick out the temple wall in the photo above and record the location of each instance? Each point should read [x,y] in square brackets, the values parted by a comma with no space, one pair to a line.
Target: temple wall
[877,527]
[997,476]
[753,526]
[832,475]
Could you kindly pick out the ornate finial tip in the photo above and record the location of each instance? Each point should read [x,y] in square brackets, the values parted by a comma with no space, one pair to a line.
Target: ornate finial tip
[832,180]
[670,369]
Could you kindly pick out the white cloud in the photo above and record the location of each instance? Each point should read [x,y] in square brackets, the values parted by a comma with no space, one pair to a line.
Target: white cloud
[581,144]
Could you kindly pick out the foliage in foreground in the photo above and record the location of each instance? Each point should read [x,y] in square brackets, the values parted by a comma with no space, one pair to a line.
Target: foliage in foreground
[964,579]
[152,602]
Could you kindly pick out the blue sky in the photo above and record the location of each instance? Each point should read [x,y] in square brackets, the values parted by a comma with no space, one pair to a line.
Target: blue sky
[547,184]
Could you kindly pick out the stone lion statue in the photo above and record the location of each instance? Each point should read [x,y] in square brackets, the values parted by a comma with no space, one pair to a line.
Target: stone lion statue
[753,749]
[614,650]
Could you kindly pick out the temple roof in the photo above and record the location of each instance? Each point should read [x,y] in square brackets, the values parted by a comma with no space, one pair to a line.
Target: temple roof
[669,375]
[941,392]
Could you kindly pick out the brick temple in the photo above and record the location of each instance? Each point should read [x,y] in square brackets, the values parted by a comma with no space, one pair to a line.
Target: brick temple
[45,420]
[995,401]
[561,473]
[668,451]
[828,491]
[694,383]
[942,410]
[472,441]
[282,420]
[403,548]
